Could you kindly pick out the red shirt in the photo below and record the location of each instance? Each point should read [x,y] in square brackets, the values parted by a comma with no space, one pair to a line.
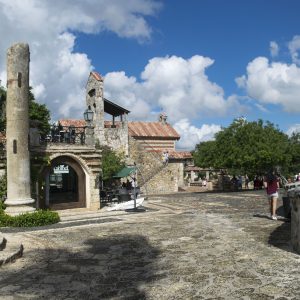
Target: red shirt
[272,187]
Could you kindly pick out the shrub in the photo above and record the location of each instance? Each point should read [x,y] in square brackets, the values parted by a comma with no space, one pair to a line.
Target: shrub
[2,206]
[37,218]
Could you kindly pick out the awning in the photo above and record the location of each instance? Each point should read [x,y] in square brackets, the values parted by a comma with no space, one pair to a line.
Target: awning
[126,171]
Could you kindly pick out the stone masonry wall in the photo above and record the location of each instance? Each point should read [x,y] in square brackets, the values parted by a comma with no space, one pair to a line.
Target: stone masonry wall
[117,138]
[153,176]
[295,223]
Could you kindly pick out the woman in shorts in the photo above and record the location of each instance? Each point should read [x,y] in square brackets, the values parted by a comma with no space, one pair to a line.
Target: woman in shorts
[271,184]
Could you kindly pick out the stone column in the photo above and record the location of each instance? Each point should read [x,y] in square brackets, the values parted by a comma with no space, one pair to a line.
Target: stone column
[17,131]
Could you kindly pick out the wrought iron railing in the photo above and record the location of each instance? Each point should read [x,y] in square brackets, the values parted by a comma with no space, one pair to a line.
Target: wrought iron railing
[65,134]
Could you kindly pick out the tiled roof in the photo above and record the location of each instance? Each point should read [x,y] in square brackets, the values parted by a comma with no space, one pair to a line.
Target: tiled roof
[152,129]
[192,168]
[176,154]
[180,154]
[108,124]
[72,122]
[97,76]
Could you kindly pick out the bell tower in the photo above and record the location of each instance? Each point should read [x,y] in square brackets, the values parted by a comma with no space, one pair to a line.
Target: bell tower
[95,102]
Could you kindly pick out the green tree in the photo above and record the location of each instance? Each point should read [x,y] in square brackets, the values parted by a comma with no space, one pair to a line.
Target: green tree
[39,113]
[295,153]
[247,147]
[112,163]
[204,154]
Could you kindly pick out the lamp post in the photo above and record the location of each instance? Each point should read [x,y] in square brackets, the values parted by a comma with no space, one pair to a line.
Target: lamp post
[89,134]
[88,116]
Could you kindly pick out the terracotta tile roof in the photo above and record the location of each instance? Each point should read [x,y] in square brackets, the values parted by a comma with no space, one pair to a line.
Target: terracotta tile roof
[97,76]
[180,154]
[192,168]
[108,124]
[72,122]
[176,154]
[152,129]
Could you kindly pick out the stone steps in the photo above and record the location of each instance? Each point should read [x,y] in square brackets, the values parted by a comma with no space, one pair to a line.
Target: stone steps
[10,251]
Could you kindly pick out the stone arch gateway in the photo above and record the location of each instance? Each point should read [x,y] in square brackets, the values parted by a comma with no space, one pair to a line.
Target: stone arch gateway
[71,179]
[65,183]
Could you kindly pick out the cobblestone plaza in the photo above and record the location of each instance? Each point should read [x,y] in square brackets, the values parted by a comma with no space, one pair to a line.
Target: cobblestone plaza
[184,246]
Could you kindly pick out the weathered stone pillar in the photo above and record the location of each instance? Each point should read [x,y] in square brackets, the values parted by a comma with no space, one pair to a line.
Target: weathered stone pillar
[295,222]
[17,131]
[89,136]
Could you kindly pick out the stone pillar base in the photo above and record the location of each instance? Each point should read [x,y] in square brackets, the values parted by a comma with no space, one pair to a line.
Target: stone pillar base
[295,223]
[18,207]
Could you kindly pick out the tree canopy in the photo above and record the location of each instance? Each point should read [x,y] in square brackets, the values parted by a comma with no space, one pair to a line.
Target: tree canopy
[247,147]
[112,163]
[37,112]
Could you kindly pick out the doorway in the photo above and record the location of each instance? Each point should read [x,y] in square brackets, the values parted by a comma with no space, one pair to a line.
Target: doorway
[65,184]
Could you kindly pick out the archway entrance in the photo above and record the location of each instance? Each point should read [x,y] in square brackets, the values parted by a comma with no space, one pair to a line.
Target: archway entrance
[65,184]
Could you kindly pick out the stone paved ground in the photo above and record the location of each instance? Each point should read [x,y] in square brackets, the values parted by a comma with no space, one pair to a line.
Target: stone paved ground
[185,246]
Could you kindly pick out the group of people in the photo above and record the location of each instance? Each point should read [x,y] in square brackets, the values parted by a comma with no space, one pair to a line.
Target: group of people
[129,185]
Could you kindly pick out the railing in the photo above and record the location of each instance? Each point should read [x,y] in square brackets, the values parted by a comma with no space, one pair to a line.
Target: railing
[65,134]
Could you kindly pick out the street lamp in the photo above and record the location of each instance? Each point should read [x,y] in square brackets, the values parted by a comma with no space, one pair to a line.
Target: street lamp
[89,130]
[88,115]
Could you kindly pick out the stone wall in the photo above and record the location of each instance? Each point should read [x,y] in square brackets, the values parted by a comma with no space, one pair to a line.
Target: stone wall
[117,138]
[153,176]
[295,222]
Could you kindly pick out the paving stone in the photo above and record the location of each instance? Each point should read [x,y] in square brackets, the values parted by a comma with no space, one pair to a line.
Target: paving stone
[191,246]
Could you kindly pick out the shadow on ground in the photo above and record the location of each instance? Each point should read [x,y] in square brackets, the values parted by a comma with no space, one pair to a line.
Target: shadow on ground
[281,236]
[104,268]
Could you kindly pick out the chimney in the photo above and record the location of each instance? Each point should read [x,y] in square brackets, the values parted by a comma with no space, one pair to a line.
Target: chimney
[162,118]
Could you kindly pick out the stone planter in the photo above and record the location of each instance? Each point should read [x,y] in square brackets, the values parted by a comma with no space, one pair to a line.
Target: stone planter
[295,222]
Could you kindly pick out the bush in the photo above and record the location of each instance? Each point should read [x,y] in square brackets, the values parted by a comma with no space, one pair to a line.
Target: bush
[2,206]
[37,218]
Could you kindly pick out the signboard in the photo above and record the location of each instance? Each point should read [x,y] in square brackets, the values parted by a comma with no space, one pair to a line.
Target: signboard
[61,169]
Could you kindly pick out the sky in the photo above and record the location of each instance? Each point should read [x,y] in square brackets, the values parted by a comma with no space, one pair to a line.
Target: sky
[202,62]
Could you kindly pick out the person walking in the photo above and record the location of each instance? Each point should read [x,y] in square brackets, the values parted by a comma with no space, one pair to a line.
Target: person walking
[271,184]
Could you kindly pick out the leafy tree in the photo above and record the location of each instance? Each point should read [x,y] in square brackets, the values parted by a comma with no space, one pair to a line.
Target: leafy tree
[112,163]
[247,147]
[37,112]
[204,154]
[295,153]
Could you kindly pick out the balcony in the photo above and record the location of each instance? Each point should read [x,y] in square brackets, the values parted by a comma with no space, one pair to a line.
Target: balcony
[65,134]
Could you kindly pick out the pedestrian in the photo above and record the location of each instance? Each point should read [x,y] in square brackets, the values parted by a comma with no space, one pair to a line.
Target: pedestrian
[246,182]
[271,184]
[165,157]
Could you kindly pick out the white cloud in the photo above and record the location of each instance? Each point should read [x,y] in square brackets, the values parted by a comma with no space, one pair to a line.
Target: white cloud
[58,72]
[294,47]
[191,135]
[274,49]
[173,84]
[272,83]
[293,129]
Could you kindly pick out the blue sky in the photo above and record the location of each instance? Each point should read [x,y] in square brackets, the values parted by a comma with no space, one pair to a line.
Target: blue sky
[203,62]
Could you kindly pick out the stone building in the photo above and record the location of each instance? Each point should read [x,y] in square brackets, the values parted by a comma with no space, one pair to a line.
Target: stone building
[141,142]
[69,169]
